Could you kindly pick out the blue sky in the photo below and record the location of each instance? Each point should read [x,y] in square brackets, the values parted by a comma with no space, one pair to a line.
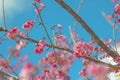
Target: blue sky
[19,11]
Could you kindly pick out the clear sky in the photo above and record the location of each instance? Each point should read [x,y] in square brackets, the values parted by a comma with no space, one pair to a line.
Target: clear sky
[19,11]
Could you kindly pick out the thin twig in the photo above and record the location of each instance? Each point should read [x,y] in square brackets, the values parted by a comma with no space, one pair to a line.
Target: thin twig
[114,36]
[45,29]
[78,11]
[110,22]
[43,23]
[71,34]
[115,27]
[75,22]
[3,10]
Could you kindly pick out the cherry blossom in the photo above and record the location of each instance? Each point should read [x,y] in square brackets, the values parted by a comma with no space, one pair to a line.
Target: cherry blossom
[12,34]
[117,9]
[38,50]
[83,72]
[20,44]
[82,49]
[40,47]
[4,63]
[59,26]
[27,70]
[110,16]
[57,62]
[28,25]
[40,8]
[113,0]
[38,1]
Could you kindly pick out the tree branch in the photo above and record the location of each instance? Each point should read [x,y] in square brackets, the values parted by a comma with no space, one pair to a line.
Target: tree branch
[88,29]
[66,49]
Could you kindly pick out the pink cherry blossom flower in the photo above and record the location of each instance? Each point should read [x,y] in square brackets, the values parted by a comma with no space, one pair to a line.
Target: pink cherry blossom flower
[12,34]
[39,1]
[20,44]
[82,49]
[118,20]
[77,55]
[60,75]
[41,43]
[28,25]
[117,60]
[61,38]
[38,50]
[70,59]
[40,8]
[44,61]
[75,35]
[83,72]
[46,71]
[16,54]
[28,65]
[113,0]
[117,9]
[101,50]
[27,70]
[40,78]
[25,73]
[25,57]
[20,60]
[22,34]
[59,26]
[110,16]
[40,47]
[95,69]
[4,63]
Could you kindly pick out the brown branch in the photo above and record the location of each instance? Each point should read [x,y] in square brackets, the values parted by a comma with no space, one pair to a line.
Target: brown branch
[57,47]
[88,29]
[71,51]
[68,50]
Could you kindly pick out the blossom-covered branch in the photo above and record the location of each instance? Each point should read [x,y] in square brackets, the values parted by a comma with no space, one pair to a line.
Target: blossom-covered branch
[66,49]
[88,29]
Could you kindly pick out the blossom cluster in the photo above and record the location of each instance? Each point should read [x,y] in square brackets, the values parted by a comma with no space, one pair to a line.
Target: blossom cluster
[116,12]
[28,25]
[12,34]
[40,47]
[56,65]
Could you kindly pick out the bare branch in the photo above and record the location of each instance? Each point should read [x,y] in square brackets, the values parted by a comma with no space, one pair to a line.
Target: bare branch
[110,22]
[3,11]
[78,11]
[71,34]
